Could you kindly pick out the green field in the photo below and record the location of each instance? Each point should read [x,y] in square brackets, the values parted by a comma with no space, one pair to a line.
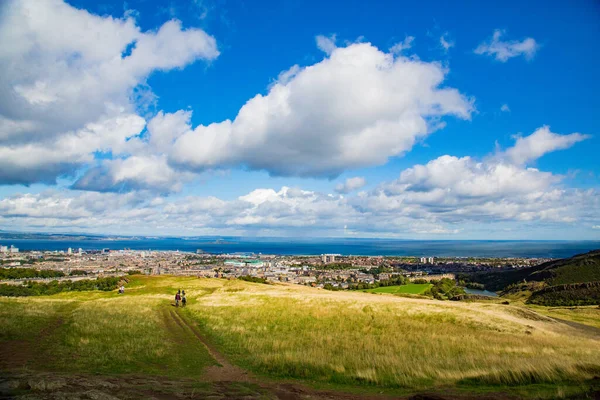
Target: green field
[411,288]
[246,340]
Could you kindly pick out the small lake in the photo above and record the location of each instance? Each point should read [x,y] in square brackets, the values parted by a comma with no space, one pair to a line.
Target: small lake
[480,292]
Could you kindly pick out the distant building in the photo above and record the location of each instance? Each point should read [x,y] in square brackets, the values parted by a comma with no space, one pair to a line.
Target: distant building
[430,260]
[3,249]
[80,251]
[245,263]
[69,251]
[328,258]
[13,249]
[423,260]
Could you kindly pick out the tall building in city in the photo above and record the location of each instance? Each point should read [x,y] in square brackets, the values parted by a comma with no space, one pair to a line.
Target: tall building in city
[69,251]
[327,258]
[13,249]
[423,260]
[3,249]
[430,260]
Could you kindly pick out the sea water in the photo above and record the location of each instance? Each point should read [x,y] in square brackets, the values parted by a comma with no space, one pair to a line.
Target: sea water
[303,246]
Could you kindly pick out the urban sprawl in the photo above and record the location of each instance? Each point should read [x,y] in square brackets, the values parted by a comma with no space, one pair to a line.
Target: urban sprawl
[318,270]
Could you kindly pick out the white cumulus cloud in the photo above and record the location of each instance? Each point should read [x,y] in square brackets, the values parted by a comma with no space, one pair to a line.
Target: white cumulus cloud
[351,184]
[355,108]
[505,50]
[64,68]
[403,45]
[326,43]
[445,42]
[447,196]
[540,142]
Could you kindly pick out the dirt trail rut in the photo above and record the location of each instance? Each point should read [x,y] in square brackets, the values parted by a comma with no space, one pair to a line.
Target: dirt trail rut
[227,372]
[217,373]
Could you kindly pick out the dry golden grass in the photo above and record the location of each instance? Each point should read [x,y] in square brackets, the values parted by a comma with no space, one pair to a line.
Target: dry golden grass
[347,338]
[102,333]
[352,337]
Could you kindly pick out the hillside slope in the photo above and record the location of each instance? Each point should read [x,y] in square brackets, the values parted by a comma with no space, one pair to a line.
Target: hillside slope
[570,281]
[236,336]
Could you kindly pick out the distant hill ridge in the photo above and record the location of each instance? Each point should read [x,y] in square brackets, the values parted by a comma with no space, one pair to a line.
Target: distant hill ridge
[570,281]
[577,269]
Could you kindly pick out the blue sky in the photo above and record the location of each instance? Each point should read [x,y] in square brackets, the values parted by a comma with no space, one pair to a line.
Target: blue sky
[442,159]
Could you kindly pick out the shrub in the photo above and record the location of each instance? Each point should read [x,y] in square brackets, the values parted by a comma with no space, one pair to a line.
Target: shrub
[254,279]
[575,294]
[42,289]
[28,273]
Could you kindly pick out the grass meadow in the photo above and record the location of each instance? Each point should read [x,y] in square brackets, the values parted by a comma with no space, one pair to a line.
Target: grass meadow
[345,339]
[104,334]
[362,339]
[411,288]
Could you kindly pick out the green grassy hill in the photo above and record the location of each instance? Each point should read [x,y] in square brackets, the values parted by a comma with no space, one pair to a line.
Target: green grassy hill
[558,282]
[578,269]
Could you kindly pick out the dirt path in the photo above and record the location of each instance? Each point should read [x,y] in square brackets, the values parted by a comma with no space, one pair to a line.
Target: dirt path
[226,373]
[585,330]
[222,381]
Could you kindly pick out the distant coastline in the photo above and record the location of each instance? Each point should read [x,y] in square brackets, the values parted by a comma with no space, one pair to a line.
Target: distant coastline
[304,246]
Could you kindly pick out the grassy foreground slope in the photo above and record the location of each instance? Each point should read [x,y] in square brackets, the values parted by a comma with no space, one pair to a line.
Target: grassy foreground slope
[344,340]
[356,338]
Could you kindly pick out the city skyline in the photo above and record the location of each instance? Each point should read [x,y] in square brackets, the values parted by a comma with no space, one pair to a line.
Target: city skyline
[369,120]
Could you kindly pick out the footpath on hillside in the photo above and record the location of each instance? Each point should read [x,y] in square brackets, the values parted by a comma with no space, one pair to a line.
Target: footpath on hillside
[222,380]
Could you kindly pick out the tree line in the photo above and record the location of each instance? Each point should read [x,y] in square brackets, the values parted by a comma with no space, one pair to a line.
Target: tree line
[399,280]
[28,273]
[444,289]
[254,279]
[42,289]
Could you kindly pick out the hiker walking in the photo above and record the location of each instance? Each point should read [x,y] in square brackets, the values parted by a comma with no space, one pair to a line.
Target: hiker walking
[183,298]
[177,298]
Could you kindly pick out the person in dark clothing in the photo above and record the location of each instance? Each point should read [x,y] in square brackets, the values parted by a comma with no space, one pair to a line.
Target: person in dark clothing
[183,298]
[177,298]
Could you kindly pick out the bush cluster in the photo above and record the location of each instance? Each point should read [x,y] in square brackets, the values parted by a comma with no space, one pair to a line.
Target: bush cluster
[28,273]
[574,294]
[78,272]
[400,280]
[444,289]
[41,289]
[335,266]
[254,279]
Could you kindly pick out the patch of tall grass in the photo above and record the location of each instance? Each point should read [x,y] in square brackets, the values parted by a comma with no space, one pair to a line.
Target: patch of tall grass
[379,340]
[102,333]
[22,319]
[128,335]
